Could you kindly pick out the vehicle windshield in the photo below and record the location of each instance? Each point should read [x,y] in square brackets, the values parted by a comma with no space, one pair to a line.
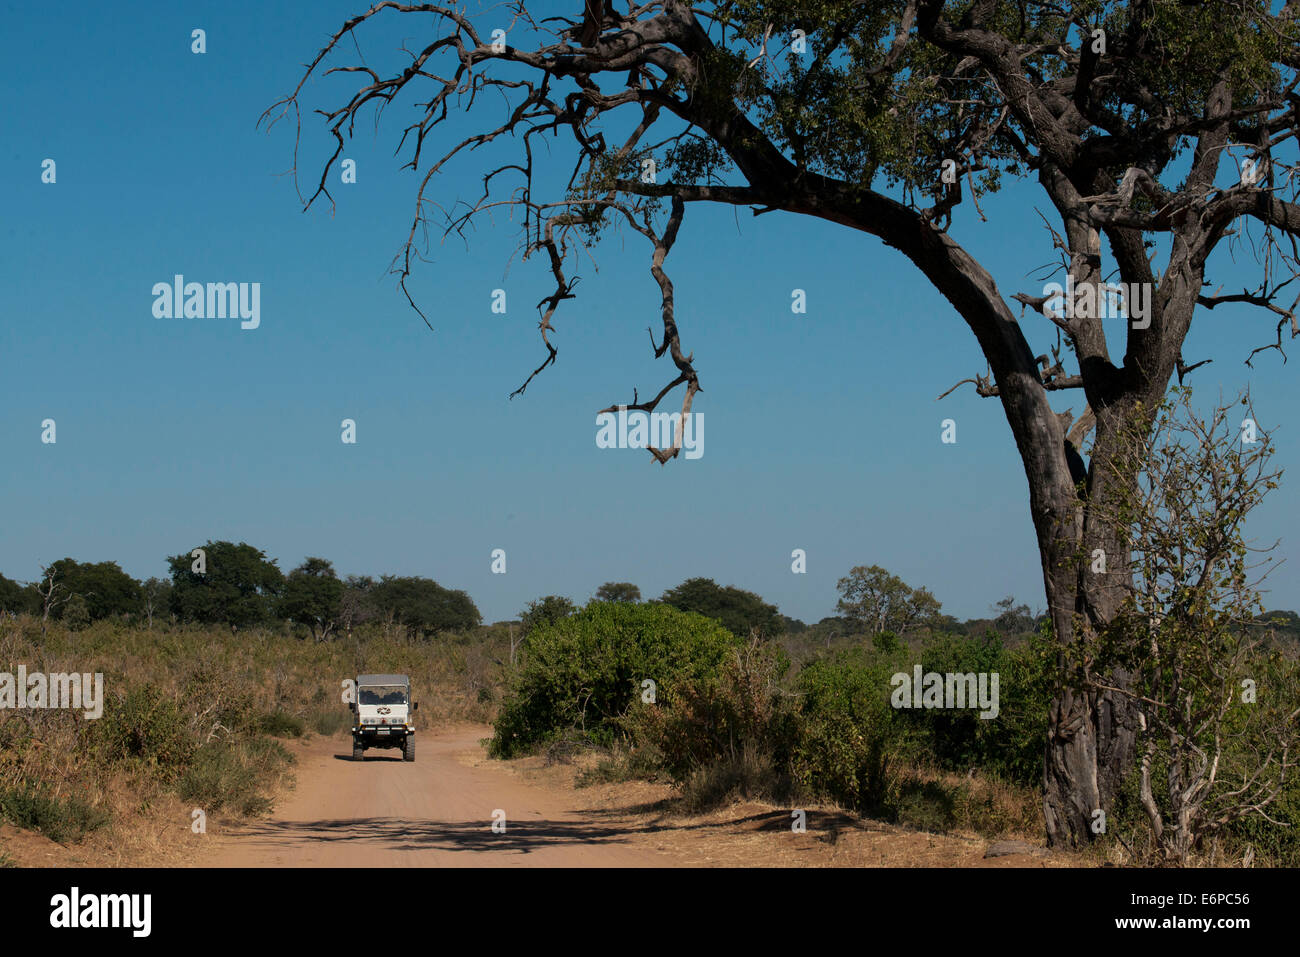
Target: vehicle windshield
[383,694]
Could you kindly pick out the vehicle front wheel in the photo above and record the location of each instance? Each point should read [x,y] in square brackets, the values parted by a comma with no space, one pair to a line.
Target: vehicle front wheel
[357,750]
[408,748]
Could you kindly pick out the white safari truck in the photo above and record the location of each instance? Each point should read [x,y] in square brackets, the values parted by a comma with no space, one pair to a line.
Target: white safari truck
[384,719]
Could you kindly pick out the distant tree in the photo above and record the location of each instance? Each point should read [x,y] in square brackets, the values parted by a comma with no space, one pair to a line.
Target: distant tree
[356,604]
[881,602]
[16,598]
[1013,619]
[422,605]
[618,591]
[919,610]
[545,611]
[948,623]
[103,587]
[1282,622]
[239,586]
[155,597]
[739,611]
[313,597]
[792,626]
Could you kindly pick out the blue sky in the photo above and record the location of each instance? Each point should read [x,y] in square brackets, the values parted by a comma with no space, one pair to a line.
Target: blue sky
[822,429]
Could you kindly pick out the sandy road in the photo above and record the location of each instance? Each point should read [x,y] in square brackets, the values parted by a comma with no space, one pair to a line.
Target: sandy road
[434,812]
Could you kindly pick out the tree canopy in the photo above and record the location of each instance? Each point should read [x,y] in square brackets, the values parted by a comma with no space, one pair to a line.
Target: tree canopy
[313,596]
[102,586]
[232,584]
[739,611]
[422,605]
[618,591]
[883,602]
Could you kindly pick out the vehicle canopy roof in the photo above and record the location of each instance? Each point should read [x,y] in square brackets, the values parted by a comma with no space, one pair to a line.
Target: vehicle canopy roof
[365,680]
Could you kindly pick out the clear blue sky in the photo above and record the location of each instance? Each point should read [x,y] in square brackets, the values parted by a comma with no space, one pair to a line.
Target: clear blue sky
[822,429]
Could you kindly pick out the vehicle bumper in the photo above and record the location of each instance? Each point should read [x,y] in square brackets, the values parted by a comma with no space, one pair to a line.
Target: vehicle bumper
[370,735]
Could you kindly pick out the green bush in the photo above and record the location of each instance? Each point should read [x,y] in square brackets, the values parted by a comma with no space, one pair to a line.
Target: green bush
[63,820]
[738,720]
[146,725]
[584,671]
[850,737]
[1009,745]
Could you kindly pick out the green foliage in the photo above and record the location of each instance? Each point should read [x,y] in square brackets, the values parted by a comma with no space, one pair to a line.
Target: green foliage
[281,724]
[155,599]
[886,642]
[736,716]
[147,726]
[739,611]
[76,613]
[545,611]
[618,591]
[239,587]
[103,589]
[17,599]
[313,596]
[844,109]
[422,605]
[850,738]
[879,601]
[1187,631]
[1010,745]
[585,670]
[64,820]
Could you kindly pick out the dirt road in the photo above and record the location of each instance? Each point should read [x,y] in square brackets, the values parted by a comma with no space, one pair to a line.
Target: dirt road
[436,811]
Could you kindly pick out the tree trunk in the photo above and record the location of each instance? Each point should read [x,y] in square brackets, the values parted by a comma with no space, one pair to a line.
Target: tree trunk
[1092,733]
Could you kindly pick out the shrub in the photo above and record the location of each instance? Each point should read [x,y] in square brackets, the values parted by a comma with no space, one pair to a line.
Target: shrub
[850,738]
[146,725]
[229,775]
[749,773]
[281,724]
[738,719]
[585,670]
[63,820]
[1011,744]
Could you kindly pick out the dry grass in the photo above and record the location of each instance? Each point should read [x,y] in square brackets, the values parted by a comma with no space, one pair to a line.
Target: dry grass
[223,700]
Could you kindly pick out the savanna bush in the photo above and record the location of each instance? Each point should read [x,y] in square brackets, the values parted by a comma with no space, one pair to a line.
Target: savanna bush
[145,725]
[584,671]
[737,726]
[851,741]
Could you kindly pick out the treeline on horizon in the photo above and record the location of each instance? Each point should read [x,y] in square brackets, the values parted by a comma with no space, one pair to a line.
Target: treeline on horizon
[238,585]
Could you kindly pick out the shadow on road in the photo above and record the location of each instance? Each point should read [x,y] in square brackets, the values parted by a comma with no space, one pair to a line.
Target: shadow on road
[371,757]
[521,837]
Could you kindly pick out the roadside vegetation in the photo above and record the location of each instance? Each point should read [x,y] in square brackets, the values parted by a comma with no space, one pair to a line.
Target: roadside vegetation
[208,676]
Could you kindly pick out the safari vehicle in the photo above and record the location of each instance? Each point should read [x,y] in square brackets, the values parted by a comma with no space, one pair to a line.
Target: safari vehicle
[384,715]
